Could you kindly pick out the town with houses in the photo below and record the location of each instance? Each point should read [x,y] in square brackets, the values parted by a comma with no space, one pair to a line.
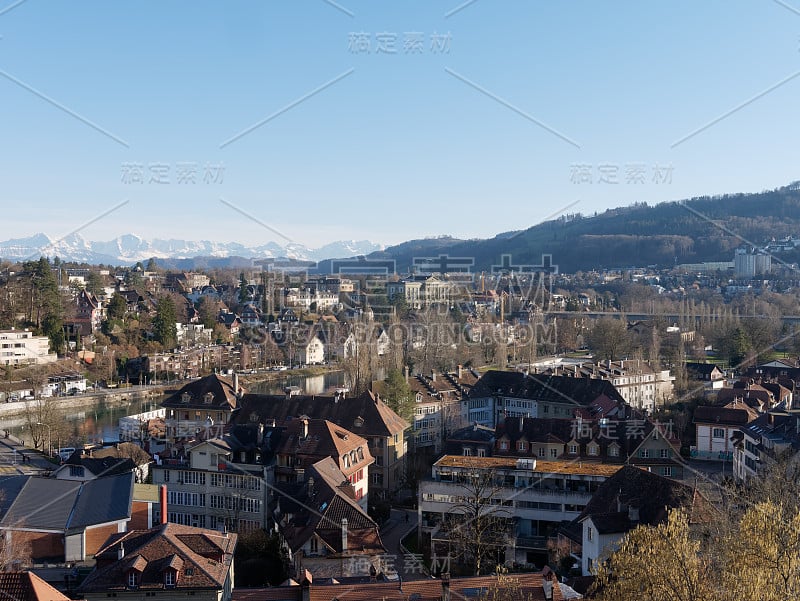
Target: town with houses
[505,430]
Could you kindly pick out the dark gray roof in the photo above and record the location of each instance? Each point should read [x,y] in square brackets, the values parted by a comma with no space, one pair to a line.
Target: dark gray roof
[103,500]
[544,387]
[52,504]
[42,504]
[9,489]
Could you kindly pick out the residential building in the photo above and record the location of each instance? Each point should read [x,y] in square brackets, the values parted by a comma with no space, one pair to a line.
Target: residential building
[325,531]
[715,427]
[535,497]
[168,561]
[709,374]
[305,441]
[640,385]
[80,468]
[763,440]
[310,352]
[21,347]
[500,394]
[365,415]
[629,498]
[217,483]
[199,409]
[629,439]
[437,406]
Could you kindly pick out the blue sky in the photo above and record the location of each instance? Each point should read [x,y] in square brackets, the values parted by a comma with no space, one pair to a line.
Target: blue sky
[496,122]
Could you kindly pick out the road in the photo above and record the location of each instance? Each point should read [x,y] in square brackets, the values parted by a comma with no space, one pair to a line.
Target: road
[16,459]
[400,523]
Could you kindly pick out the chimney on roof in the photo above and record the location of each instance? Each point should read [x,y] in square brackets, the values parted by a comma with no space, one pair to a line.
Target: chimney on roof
[305,585]
[162,496]
[460,371]
[305,428]
[344,535]
[235,383]
[120,551]
[446,586]
[433,375]
[405,372]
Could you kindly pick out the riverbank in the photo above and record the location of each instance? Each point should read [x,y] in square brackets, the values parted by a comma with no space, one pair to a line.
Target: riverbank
[116,397]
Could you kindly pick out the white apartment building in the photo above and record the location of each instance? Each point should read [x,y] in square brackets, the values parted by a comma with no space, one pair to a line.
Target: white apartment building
[21,347]
[535,496]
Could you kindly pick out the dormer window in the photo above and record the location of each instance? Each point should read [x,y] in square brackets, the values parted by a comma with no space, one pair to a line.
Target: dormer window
[186,397]
[169,577]
[208,398]
[133,579]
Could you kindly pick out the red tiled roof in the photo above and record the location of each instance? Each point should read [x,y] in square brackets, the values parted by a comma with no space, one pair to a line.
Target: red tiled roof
[27,586]
[530,588]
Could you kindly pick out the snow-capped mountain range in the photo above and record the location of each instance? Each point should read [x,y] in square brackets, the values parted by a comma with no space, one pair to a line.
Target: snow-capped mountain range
[130,248]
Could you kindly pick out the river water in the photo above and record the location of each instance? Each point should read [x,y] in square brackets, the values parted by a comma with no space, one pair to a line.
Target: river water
[101,422]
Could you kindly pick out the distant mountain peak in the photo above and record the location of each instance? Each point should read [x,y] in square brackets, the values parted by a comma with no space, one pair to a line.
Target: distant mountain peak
[130,248]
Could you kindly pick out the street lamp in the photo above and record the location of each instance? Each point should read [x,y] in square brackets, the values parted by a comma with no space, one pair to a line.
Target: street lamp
[49,438]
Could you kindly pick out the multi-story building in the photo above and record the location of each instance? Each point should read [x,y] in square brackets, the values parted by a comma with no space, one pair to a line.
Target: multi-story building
[534,496]
[168,561]
[365,415]
[500,394]
[437,406]
[637,382]
[200,409]
[216,484]
[21,347]
[305,441]
[325,531]
[763,440]
[420,291]
[715,427]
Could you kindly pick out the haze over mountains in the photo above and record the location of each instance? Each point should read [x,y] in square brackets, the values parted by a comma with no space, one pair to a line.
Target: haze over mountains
[700,229]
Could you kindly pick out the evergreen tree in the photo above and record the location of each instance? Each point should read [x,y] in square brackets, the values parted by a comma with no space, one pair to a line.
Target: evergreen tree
[397,394]
[164,329]
[242,289]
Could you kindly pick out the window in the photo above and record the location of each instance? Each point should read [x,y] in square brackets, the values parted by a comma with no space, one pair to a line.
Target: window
[718,433]
[314,544]
[613,451]
[553,453]
[133,578]
[169,578]
[503,445]
[594,450]
[76,471]
[541,451]
[467,452]
[546,408]
[664,453]
[667,471]
[644,453]
[481,452]
[573,449]
[522,445]
[589,533]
